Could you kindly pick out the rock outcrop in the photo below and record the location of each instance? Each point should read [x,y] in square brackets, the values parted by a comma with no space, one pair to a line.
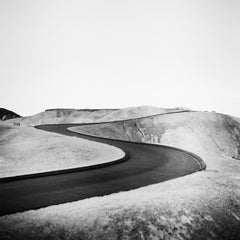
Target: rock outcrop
[6,114]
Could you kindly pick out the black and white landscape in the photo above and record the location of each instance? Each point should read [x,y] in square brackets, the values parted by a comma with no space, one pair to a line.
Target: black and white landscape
[155,191]
[119,120]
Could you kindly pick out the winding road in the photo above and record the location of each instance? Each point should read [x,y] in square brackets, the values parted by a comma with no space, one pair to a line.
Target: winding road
[147,164]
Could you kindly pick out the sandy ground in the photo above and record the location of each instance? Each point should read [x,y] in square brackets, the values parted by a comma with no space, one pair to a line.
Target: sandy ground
[25,150]
[203,205]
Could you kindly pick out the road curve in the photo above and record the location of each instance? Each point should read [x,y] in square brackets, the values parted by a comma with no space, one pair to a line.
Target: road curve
[148,164]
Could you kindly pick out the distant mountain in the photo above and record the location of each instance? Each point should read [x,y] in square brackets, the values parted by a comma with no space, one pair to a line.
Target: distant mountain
[7,114]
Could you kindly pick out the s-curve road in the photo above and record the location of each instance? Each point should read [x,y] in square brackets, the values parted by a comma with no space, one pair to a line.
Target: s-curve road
[148,164]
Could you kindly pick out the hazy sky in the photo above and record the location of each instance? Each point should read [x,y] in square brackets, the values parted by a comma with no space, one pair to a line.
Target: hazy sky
[112,54]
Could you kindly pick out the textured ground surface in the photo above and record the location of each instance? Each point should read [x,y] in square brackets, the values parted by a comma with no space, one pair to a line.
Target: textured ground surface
[136,112]
[204,205]
[206,134]
[62,116]
[149,164]
[55,116]
[207,207]
[25,150]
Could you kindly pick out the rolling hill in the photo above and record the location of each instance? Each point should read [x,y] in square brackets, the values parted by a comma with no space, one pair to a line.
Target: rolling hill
[61,115]
[6,114]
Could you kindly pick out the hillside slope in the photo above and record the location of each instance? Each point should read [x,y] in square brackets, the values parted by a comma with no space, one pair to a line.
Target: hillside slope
[55,116]
[136,112]
[206,134]
[6,114]
[26,150]
[203,205]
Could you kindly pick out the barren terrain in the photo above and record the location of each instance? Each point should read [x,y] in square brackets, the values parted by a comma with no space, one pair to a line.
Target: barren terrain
[26,150]
[206,134]
[203,205]
[56,116]
[136,112]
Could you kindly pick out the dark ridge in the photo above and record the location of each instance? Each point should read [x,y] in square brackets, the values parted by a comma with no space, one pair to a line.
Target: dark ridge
[7,114]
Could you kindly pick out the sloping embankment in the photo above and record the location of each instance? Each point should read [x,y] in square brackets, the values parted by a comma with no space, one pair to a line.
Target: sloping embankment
[25,150]
[206,134]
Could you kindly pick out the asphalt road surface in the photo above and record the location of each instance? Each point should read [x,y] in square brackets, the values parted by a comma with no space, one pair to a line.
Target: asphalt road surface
[148,164]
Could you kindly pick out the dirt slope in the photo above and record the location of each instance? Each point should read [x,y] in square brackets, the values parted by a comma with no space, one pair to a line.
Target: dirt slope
[55,116]
[136,112]
[203,133]
[25,150]
[203,205]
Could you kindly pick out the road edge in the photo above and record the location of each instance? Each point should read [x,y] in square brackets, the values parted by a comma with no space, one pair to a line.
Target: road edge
[126,157]
[202,164]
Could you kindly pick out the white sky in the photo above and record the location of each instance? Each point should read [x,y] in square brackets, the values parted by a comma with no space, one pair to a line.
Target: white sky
[112,54]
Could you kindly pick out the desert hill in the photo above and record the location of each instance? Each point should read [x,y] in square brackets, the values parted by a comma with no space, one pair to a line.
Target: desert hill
[56,116]
[137,112]
[6,114]
[203,205]
[203,133]
[26,150]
